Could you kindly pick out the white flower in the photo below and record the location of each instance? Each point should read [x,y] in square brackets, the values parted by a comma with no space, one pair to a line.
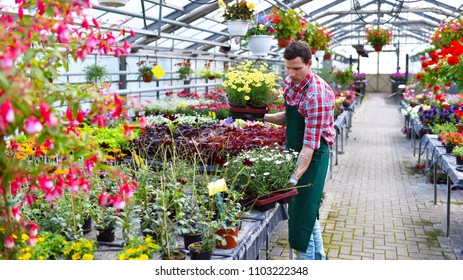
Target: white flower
[278,162]
[266,173]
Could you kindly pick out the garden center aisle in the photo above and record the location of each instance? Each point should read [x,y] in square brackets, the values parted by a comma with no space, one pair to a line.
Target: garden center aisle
[377,206]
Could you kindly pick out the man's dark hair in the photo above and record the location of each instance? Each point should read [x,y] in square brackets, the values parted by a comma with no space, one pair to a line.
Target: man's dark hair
[298,49]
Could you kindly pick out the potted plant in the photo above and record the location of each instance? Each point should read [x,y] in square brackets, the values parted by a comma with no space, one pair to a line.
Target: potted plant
[458,153]
[260,172]
[342,77]
[286,25]
[207,73]
[451,139]
[184,70]
[237,16]
[49,246]
[139,249]
[145,72]
[249,84]
[378,37]
[317,37]
[96,74]
[80,249]
[260,38]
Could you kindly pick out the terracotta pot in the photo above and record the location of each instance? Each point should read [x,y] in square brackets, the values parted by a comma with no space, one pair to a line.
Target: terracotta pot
[230,236]
[147,79]
[313,50]
[283,42]
[327,56]
[378,48]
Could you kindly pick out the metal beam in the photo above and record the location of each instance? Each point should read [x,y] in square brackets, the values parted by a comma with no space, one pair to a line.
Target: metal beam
[420,10]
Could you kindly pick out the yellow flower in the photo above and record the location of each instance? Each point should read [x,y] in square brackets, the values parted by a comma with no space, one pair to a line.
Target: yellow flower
[122,256]
[41,258]
[40,239]
[251,5]
[76,256]
[87,257]
[221,4]
[246,97]
[24,237]
[426,108]
[143,257]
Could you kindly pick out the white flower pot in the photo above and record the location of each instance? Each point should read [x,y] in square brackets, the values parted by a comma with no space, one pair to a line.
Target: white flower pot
[319,53]
[237,27]
[260,44]
[113,3]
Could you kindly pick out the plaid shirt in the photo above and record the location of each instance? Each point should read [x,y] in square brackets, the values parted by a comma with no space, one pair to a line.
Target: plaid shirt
[316,104]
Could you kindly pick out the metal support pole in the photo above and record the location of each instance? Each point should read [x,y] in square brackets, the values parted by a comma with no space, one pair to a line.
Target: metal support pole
[448,205]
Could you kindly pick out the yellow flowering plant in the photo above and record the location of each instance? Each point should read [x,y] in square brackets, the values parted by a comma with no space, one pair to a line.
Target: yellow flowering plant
[139,249]
[250,83]
[81,249]
[239,10]
[49,246]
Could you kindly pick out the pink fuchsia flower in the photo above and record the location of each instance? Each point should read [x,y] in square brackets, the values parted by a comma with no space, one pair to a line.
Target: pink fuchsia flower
[16,212]
[6,114]
[126,190]
[33,229]
[118,202]
[118,103]
[32,240]
[45,183]
[63,33]
[103,199]
[45,111]
[9,242]
[33,126]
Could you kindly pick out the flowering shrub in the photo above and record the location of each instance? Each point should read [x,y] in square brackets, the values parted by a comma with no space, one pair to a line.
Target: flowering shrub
[444,67]
[286,24]
[259,28]
[30,45]
[378,37]
[250,84]
[239,10]
[450,31]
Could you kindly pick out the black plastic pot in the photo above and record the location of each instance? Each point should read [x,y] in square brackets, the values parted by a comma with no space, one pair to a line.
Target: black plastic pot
[199,255]
[191,238]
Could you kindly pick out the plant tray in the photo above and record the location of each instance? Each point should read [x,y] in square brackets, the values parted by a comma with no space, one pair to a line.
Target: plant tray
[268,203]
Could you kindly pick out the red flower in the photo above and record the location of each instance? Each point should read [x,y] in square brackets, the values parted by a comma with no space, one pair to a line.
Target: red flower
[453,60]
[247,162]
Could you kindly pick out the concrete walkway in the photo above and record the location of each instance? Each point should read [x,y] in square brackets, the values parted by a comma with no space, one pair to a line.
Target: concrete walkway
[377,206]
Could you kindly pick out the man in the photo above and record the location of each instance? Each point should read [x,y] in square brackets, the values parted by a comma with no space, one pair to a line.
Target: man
[309,121]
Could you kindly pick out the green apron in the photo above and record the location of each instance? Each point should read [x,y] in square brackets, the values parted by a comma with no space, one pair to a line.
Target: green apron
[303,209]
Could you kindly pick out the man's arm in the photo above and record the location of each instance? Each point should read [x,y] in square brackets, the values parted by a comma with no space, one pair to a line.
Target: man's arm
[276,118]
[303,162]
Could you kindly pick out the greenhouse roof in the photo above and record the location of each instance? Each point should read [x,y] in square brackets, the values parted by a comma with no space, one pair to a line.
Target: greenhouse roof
[197,25]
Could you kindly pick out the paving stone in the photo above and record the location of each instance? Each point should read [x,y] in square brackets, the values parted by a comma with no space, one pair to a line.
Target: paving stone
[376,206]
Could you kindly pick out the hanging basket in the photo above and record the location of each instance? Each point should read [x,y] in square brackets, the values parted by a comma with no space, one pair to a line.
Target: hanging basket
[113,3]
[378,48]
[260,44]
[237,28]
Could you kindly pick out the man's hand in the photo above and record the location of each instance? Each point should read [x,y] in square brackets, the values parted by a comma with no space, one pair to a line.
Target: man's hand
[292,182]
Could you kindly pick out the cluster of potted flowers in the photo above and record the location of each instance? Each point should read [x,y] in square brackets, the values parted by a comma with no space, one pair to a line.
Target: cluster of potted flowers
[378,37]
